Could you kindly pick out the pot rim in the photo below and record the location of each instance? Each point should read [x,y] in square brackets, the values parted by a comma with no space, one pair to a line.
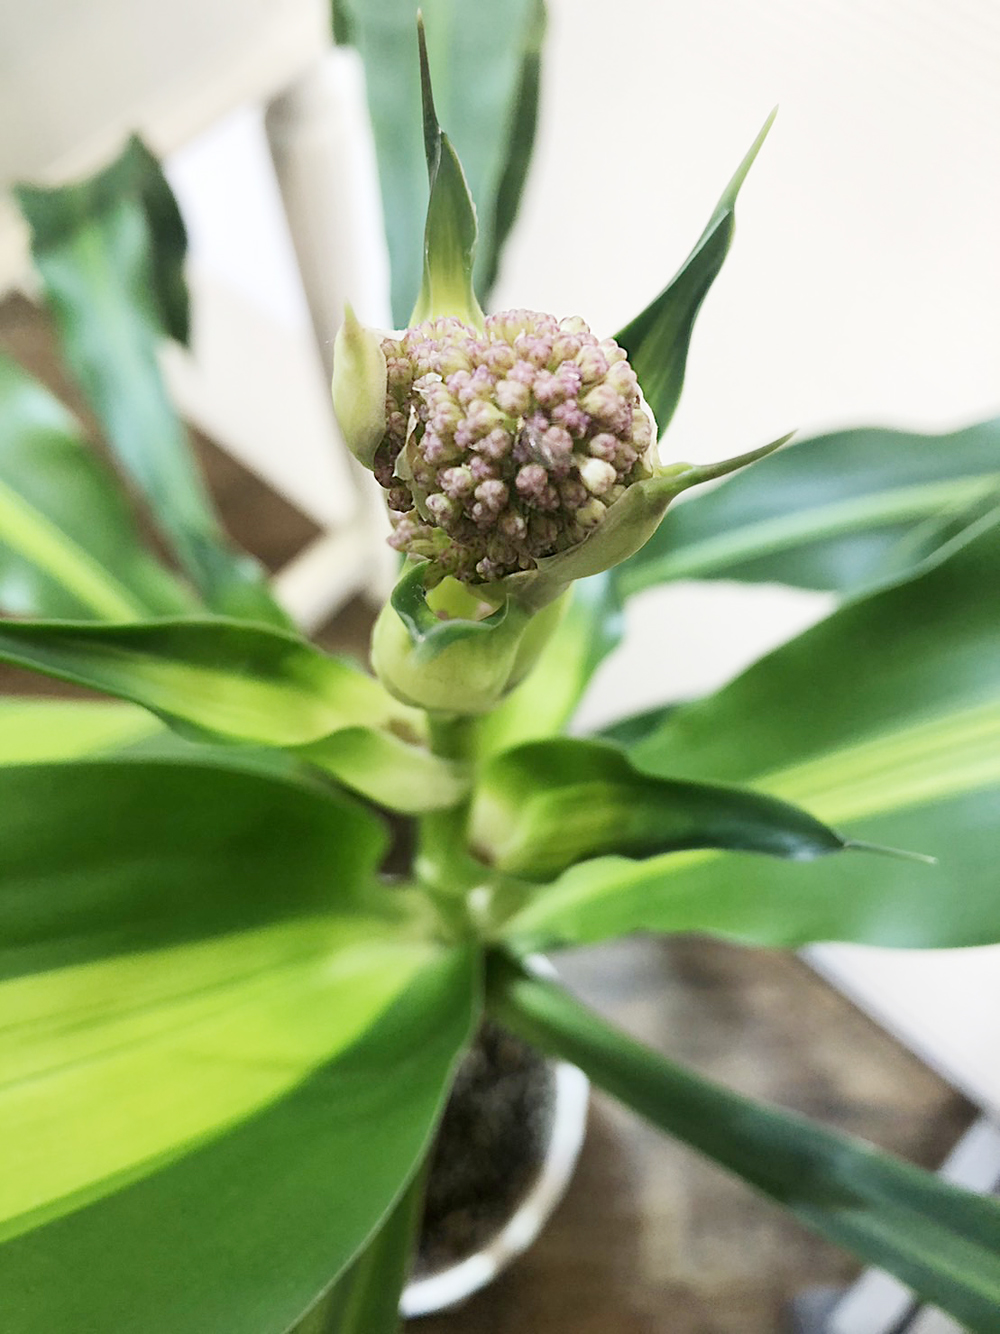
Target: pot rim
[448,1287]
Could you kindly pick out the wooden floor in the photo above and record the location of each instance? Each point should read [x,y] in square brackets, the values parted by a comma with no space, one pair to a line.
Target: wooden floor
[651,1240]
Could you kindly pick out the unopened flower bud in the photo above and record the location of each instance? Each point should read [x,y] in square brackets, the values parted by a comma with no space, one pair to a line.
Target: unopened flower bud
[506,444]
[360,373]
[520,453]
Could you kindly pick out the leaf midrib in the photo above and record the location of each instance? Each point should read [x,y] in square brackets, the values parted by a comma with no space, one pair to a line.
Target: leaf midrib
[43,544]
[892,506]
[924,741]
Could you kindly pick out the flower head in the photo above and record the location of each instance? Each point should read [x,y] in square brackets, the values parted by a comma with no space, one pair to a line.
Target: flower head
[506,445]
[516,451]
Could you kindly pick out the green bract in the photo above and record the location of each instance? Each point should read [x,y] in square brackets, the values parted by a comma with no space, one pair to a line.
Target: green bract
[255,905]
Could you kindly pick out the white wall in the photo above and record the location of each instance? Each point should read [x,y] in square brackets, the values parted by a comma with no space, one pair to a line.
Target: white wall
[864,282]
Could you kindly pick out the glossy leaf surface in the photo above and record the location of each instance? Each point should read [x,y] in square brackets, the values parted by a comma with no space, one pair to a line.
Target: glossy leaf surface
[225,679]
[549,804]
[161,853]
[657,340]
[365,1299]
[68,544]
[215,1089]
[109,254]
[479,56]
[841,512]
[883,720]
[940,1240]
[202,1023]
[35,730]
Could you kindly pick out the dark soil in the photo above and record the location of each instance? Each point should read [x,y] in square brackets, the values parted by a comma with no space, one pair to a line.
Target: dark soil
[489,1150]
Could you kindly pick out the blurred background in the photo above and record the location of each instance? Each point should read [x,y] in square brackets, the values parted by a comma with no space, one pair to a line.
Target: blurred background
[863,287]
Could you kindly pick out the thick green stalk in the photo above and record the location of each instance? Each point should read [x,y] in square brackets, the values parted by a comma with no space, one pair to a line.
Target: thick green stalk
[443,863]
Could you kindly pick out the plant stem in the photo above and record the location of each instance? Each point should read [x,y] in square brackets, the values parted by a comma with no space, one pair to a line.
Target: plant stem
[443,863]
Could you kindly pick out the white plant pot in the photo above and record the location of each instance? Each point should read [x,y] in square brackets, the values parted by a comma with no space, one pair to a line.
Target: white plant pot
[449,1286]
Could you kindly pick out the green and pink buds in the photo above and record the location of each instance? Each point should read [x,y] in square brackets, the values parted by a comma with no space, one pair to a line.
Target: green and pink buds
[506,445]
[514,458]
[516,451]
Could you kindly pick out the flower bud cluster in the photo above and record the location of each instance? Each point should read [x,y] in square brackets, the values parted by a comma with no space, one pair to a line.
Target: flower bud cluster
[509,444]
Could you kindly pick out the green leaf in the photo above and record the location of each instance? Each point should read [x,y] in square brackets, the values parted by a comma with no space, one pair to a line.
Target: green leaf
[520,148]
[549,804]
[242,683]
[201,1026]
[842,512]
[390,770]
[940,1240]
[68,544]
[481,56]
[546,700]
[139,174]
[109,858]
[32,730]
[341,23]
[884,720]
[365,1299]
[657,340]
[451,231]
[108,251]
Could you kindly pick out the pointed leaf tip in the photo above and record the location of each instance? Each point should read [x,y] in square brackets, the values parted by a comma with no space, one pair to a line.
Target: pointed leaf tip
[451,229]
[432,129]
[694,475]
[657,340]
[899,854]
[748,161]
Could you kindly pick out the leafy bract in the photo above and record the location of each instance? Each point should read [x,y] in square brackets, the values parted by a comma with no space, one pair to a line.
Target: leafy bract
[445,651]
[227,680]
[202,1023]
[451,230]
[842,512]
[657,340]
[884,719]
[109,252]
[428,633]
[484,59]
[68,544]
[940,1240]
[546,805]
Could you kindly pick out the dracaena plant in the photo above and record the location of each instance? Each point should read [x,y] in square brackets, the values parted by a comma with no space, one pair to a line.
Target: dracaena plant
[226,1037]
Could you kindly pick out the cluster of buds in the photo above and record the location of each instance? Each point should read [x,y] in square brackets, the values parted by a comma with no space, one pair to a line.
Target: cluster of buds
[506,445]
[516,452]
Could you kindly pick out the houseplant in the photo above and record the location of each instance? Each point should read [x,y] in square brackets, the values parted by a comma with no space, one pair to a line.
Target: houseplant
[227,1039]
